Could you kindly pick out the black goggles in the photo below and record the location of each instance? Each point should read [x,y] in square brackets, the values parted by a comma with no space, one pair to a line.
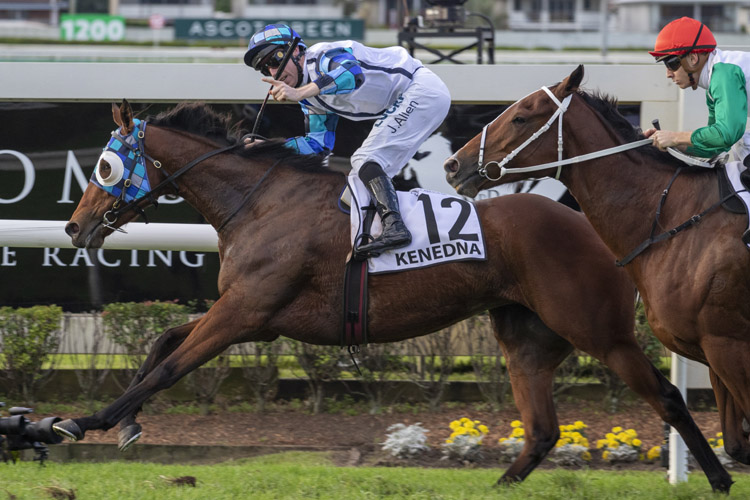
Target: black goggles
[272,61]
[673,62]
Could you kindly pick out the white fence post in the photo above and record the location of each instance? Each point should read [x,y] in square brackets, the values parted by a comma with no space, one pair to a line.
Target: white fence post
[677,447]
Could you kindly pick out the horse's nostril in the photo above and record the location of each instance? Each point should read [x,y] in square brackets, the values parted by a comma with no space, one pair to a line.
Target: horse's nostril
[451,165]
[71,228]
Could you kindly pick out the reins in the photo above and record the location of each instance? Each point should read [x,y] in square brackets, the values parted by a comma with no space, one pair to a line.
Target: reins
[247,197]
[116,210]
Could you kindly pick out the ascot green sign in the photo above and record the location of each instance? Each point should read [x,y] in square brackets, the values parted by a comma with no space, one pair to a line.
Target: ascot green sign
[228,29]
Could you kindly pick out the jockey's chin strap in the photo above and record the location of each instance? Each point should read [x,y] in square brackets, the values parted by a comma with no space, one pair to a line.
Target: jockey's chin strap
[562,107]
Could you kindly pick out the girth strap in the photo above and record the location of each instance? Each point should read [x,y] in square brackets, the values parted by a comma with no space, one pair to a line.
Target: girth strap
[692,221]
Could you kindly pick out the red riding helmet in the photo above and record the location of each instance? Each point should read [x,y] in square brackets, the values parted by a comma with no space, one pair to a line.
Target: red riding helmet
[681,37]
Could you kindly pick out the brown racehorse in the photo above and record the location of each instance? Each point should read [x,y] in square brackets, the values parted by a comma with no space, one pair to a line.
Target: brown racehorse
[695,284]
[548,283]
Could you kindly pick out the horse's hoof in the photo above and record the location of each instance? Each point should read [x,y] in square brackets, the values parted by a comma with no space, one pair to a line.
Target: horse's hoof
[68,429]
[128,436]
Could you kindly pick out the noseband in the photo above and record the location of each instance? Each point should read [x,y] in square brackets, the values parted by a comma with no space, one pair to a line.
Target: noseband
[562,107]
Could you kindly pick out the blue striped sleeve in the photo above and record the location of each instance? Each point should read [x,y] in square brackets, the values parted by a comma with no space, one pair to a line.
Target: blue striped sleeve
[340,72]
[320,132]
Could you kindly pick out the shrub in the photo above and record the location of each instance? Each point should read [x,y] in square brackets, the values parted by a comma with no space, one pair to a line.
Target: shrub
[91,361]
[492,376]
[572,448]
[379,366]
[432,364]
[27,337]
[512,445]
[321,364]
[260,369]
[465,442]
[405,442]
[620,446]
[135,326]
[717,444]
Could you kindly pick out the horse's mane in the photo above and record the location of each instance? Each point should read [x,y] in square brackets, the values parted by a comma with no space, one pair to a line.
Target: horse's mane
[606,106]
[200,119]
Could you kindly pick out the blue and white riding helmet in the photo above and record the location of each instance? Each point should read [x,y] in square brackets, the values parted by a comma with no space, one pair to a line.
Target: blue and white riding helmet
[269,44]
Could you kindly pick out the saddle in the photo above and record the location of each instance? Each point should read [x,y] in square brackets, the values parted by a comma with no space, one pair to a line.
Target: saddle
[734,204]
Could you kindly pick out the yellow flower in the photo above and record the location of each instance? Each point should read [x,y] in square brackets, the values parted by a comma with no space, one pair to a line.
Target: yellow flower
[601,443]
[502,440]
[586,455]
[631,432]
[516,423]
[484,429]
[517,432]
[616,429]
[636,442]
[469,424]
[719,434]
[579,425]
[610,436]
[720,442]
[455,424]
[605,455]
[449,441]
[654,453]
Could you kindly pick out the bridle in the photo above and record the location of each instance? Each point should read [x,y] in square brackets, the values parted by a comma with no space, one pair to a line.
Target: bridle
[562,107]
[135,157]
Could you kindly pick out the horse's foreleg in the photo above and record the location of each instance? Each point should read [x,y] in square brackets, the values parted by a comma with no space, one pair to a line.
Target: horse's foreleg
[211,335]
[735,438]
[629,362]
[532,352]
[165,345]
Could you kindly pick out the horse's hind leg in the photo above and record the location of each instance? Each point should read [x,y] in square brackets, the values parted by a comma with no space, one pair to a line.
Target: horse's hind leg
[130,431]
[625,358]
[532,352]
[735,437]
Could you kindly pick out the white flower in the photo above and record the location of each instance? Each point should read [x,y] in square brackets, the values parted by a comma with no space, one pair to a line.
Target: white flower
[406,441]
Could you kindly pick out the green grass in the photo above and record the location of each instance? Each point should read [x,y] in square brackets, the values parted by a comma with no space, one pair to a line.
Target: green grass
[301,475]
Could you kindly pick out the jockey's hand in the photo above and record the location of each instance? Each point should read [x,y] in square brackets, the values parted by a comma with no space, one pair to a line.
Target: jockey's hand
[249,142]
[283,92]
[664,139]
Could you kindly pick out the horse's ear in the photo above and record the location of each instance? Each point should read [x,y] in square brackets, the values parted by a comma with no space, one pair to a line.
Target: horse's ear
[571,83]
[123,116]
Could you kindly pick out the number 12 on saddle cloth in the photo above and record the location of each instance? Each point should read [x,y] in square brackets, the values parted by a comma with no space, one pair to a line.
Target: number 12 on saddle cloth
[443,228]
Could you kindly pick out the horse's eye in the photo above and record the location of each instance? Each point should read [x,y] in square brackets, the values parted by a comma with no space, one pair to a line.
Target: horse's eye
[518,120]
[105,169]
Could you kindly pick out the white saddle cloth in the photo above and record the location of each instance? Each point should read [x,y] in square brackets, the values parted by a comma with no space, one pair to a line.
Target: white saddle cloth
[734,169]
[443,229]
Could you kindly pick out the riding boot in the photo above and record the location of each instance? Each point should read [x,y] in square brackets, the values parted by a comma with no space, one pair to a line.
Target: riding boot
[395,234]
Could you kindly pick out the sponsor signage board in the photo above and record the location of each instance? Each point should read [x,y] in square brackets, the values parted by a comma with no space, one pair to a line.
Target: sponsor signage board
[231,29]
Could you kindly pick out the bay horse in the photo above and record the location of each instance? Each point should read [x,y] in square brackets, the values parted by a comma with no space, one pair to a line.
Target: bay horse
[548,281]
[695,282]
